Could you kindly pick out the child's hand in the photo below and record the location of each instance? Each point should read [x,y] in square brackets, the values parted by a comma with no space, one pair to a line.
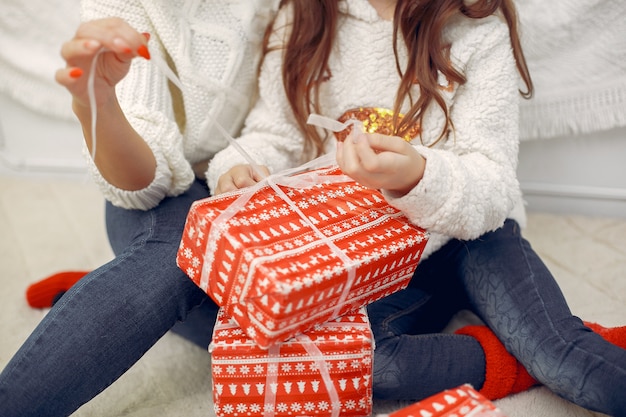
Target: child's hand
[119,42]
[381,162]
[239,176]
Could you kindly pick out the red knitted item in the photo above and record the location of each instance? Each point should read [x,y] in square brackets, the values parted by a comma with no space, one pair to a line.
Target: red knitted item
[504,375]
[42,294]
[524,380]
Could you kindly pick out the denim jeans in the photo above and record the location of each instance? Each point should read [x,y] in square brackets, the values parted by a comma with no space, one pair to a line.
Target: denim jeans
[112,316]
[501,279]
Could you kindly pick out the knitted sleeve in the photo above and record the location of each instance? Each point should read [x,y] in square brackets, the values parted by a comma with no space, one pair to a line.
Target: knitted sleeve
[469,185]
[146,101]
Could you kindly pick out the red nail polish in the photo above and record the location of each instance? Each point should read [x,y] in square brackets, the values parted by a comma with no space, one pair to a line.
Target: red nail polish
[76,72]
[146,35]
[143,52]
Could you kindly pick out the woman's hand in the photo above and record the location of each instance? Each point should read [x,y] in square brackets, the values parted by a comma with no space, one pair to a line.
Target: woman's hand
[239,176]
[123,158]
[117,42]
[381,162]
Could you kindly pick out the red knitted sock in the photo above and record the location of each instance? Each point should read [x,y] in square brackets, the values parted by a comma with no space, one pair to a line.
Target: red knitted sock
[615,335]
[504,375]
[44,293]
[524,380]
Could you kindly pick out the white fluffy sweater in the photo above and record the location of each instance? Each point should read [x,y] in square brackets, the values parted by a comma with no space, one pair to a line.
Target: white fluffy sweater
[470,185]
[214,46]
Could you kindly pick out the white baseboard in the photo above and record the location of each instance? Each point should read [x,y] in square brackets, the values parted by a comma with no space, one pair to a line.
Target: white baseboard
[574,199]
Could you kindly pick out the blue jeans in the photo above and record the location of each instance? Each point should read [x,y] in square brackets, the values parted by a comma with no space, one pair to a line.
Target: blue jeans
[112,316]
[501,279]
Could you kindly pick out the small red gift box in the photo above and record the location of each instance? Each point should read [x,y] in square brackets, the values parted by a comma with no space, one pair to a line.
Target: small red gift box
[325,372]
[295,251]
[457,402]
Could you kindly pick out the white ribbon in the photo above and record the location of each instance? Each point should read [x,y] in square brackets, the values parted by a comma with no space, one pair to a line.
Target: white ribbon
[269,404]
[269,408]
[92,101]
[314,352]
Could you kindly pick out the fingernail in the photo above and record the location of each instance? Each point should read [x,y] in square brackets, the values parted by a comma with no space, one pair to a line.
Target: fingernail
[146,35]
[92,45]
[122,45]
[143,52]
[76,72]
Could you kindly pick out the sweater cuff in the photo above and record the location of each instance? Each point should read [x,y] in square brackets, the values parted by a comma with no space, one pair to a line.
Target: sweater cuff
[143,199]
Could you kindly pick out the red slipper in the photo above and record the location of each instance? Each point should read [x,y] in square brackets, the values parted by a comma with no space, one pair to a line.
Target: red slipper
[44,293]
[504,374]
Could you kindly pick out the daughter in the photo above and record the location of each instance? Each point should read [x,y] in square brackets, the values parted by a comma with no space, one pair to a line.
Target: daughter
[443,74]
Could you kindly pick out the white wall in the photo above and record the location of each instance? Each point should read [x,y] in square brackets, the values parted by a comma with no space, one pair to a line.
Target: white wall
[35,144]
[583,174]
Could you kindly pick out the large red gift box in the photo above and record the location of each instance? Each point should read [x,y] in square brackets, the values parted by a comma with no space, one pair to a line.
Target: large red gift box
[326,371]
[457,402]
[297,250]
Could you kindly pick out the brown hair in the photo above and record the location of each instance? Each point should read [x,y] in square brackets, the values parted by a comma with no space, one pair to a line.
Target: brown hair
[419,23]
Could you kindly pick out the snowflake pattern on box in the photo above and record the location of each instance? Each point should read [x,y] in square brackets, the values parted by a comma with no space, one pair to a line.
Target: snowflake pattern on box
[463,401]
[324,372]
[274,274]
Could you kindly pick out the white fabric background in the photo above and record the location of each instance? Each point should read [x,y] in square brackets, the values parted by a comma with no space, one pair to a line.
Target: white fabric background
[576,51]
[31,34]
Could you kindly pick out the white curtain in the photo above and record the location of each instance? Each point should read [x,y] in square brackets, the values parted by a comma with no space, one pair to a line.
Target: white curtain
[31,34]
[576,51]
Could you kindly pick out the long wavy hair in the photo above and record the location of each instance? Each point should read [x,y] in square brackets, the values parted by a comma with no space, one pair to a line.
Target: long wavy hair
[417,23]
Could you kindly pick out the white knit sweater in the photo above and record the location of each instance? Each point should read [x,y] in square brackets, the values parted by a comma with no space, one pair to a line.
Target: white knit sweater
[470,185]
[215,48]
